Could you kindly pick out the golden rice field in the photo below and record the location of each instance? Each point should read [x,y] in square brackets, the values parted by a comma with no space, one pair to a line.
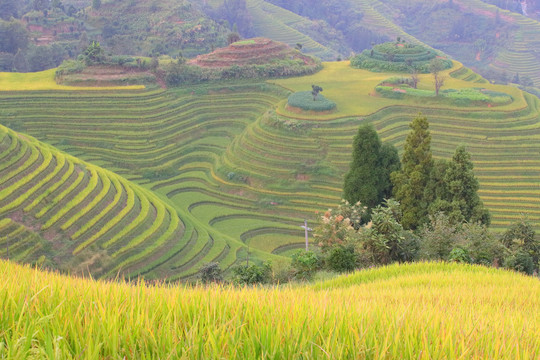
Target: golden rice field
[415,311]
[44,80]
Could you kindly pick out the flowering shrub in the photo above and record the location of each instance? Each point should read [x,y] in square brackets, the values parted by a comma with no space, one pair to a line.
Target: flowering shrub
[339,226]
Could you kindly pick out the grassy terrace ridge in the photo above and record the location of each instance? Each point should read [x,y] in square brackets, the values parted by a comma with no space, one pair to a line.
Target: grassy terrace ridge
[239,169]
[58,196]
[44,80]
[256,51]
[414,311]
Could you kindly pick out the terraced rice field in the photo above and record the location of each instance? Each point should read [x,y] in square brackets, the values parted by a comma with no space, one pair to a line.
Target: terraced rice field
[281,25]
[232,173]
[55,205]
[520,54]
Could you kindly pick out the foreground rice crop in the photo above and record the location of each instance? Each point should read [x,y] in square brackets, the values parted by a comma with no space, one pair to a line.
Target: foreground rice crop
[419,311]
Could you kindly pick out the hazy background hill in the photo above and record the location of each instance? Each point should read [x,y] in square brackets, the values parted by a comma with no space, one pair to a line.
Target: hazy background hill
[497,38]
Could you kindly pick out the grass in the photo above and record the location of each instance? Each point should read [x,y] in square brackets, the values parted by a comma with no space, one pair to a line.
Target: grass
[353,90]
[244,42]
[420,311]
[43,80]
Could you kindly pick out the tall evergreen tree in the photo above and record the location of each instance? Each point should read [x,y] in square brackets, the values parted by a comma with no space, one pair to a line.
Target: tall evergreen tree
[368,179]
[389,162]
[362,178]
[462,189]
[411,181]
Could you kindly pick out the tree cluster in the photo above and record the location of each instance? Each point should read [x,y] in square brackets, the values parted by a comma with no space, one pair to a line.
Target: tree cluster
[436,213]
[425,187]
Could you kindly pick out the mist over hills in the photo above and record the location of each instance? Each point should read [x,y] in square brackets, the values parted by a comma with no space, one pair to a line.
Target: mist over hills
[493,37]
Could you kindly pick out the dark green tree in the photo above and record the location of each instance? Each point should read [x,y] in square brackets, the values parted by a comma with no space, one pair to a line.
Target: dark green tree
[8,8]
[368,179]
[96,4]
[521,237]
[211,272]
[463,187]
[13,36]
[410,182]
[388,163]
[316,89]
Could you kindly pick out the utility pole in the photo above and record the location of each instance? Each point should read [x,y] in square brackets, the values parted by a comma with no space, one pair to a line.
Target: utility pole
[306,229]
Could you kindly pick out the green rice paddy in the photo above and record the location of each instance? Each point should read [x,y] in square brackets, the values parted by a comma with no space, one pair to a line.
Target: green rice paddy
[172,179]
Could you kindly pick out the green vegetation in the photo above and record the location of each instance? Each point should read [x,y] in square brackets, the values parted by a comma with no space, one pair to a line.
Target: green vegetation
[304,100]
[398,57]
[60,193]
[244,42]
[261,18]
[410,182]
[368,178]
[401,88]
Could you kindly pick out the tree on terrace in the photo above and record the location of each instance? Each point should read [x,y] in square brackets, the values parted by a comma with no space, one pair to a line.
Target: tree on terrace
[457,193]
[415,77]
[410,182]
[368,179]
[316,89]
[435,68]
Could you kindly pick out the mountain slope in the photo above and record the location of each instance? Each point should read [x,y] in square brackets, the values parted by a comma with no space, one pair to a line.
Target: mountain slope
[74,207]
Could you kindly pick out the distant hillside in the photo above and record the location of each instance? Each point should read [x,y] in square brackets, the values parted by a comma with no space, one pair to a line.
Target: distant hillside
[267,20]
[497,43]
[40,39]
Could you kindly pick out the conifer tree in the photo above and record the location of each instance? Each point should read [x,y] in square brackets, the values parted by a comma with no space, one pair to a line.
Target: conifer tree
[410,182]
[368,179]
[462,190]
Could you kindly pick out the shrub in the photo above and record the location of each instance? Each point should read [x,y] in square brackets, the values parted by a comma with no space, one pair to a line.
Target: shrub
[520,261]
[342,259]
[397,57]
[304,100]
[338,227]
[253,274]
[70,67]
[459,255]
[211,272]
[439,237]
[305,264]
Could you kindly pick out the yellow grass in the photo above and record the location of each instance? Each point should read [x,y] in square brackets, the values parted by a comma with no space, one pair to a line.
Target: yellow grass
[353,90]
[416,311]
[44,80]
